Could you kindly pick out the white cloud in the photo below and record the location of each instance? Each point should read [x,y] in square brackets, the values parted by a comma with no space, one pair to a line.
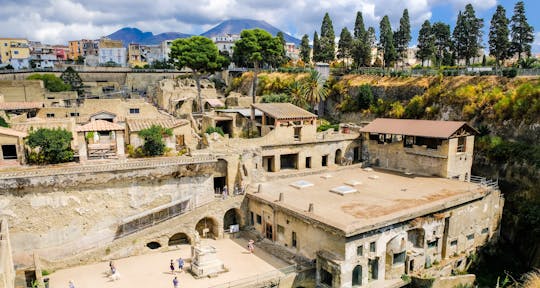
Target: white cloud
[57,21]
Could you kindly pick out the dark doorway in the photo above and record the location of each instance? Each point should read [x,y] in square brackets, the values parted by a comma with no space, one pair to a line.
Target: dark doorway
[207,228]
[268,231]
[232,217]
[326,278]
[373,266]
[308,162]
[411,266]
[357,276]
[324,160]
[356,154]
[338,158]
[178,239]
[268,163]
[153,245]
[219,183]
[289,161]
[226,126]
[9,152]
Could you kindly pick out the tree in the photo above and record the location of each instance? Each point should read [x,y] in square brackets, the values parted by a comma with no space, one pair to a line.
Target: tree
[364,97]
[327,40]
[283,57]
[313,89]
[498,36]
[403,36]
[386,41]
[360,49]
[199,54]
[521,32]
[3,122]
[80,60]
[474,33]
[72,78]
[305,49]
[49,146]
[441,41]
[370,39]
[345,45]
[316,48]
[460,38]
[51,82]
[153,140]
[257,48]
[426,44]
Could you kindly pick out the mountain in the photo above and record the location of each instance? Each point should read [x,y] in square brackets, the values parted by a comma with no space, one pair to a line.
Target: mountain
[235,26]
[134,35]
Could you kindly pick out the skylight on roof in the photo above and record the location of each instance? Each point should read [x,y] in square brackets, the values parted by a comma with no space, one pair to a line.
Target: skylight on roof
[353,182]
[301,184]
[342,190]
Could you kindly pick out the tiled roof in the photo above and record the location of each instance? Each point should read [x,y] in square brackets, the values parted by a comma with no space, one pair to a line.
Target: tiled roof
[99,125]
[423,128]
[246,112]
[20,105]
[136,125]
[12,132]
[215,102]
[284,111]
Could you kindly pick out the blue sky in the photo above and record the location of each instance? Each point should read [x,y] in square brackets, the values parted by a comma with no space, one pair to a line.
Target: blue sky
[57,21]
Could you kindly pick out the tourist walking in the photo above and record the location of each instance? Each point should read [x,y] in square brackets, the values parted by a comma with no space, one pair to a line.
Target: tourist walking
[71,285]
[180,264]
[172,266]
[251,248]
[225,193]
[175,282]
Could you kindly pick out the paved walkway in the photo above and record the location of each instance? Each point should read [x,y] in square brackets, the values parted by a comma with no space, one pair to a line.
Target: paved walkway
[152,270]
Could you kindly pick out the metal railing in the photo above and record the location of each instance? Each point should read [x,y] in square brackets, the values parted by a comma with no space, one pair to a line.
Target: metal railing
[268,279]
[483,181]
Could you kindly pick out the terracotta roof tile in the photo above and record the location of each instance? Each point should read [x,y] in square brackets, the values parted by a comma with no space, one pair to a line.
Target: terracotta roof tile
[423,128]
[215,102]
[99,125]
[284,111]
[136,125]
[20,105]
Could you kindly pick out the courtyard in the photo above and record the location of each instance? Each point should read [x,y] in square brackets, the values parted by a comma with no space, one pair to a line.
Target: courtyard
[152,270]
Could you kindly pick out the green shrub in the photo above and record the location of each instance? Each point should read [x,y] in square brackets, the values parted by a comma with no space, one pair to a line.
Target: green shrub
[3,122]
[276,98]
[153,140]
[51,82]
[49,146]
[218,130]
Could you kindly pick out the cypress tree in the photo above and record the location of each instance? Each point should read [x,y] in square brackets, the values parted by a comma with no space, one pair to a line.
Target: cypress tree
[498,35]
[521,31]
[283,59]
[359,28]
[358,51]
[425,42]
[327,41]
[473,31]
[441,41]
[304,49]
[460,38]
[345,44]
[316,48]
[386,41]
[370,39]
[403,35]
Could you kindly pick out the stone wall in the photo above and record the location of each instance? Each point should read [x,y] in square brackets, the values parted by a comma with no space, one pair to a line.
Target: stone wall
[7,272]
[23,90]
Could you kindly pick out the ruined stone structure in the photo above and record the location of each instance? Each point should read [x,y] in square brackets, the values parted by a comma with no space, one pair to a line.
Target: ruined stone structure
[7,272]
[177,96]
[363,226]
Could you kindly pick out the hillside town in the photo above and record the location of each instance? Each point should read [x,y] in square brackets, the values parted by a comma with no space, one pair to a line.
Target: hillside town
[245,160]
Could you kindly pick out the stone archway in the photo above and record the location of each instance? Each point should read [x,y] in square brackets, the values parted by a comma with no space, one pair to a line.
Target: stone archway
[207,227]
[339,156]
[357,276]
[232,217]
[179,239]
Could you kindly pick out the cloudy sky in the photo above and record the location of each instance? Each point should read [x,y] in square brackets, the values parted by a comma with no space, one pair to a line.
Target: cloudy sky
[57,21]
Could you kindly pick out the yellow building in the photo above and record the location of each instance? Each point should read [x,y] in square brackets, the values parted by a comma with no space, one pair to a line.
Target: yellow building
[74,50]
[135,55]
[13,48]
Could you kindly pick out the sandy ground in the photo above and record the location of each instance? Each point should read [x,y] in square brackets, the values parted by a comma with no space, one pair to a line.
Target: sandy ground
[152,270]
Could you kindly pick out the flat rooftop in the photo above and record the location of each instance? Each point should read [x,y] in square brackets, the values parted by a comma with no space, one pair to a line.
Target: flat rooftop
[382,198]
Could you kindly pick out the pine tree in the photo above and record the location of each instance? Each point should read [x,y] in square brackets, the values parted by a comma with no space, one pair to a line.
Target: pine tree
[403,35]
[474,33]
[327,41]
[358,51]
[359,28]
[426,44]
[316,48]
[521,31]
[304,49]
[441,41]
[386,41]
[498,35]
[370,40]
[460,38]
[345,45]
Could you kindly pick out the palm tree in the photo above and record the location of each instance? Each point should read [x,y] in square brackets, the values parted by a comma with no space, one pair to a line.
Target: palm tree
[295,89]
[313,90]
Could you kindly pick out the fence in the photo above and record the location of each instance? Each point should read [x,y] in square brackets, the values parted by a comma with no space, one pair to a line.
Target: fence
[494,184]
[268,279]
[471,71]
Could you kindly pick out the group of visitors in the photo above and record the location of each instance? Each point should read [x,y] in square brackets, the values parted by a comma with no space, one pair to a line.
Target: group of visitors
[180,269]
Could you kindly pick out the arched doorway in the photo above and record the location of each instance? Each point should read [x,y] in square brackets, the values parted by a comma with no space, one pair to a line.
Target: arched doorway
[179,239]
[337,159]
[207,228]
[231,217]
[357,276]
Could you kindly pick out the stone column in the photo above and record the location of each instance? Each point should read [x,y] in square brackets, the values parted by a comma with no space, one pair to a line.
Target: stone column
[120,145]
[83,154]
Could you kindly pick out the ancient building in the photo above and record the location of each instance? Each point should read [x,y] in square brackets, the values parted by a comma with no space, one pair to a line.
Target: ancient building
[363,226]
